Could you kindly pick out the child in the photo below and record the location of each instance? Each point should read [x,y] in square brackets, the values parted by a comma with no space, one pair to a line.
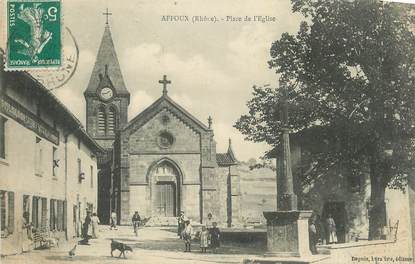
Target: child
[113,220]
[187,235]
[215,237]
[204,238]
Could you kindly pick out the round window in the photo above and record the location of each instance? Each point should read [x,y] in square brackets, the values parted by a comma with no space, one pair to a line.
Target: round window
[165,139]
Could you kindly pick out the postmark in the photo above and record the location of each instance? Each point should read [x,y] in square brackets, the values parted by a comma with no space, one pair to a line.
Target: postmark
[55,78]
[34,34]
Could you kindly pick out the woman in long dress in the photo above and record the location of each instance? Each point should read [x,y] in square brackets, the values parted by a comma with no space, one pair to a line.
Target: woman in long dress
[95,222]
[26,232]
[331,228]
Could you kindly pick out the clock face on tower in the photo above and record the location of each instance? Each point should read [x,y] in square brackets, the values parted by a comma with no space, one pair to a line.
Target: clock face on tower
[106,93]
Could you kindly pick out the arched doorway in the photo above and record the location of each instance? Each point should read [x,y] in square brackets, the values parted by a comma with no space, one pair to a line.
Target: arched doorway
[165,189]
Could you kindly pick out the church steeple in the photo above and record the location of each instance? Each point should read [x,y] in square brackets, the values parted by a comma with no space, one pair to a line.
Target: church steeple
[106,96]
[107,57]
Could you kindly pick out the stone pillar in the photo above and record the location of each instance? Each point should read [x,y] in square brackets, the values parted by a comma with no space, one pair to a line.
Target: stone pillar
[287,228]
[287,199]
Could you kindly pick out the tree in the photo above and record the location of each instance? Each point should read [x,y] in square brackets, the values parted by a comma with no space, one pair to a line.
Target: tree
[350,75]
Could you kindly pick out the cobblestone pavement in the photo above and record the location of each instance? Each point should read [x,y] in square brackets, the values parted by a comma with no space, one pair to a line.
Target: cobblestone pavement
[152,245]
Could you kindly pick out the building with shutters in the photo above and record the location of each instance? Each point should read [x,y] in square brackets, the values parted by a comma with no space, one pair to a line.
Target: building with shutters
[48,163]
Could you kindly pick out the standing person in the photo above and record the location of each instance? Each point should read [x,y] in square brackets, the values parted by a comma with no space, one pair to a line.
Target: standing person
[321,230]
[26,232]
[204,239]
[85,228]
[113,220]
[209,221]
[136,222]
[215,237]
[180,224]
[95,222]
[331,228]
[187,235]
[313,236]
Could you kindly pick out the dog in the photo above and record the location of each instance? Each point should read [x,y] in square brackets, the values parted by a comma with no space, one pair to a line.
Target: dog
[115,245]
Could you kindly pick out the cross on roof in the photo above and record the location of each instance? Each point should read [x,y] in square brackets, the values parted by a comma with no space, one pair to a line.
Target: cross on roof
[164,82]
[107,14]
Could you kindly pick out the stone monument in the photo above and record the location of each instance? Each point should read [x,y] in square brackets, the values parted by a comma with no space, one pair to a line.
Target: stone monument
[287,228]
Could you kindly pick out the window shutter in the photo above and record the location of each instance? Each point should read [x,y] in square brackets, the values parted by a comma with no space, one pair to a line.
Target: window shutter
[111,120]
[3,209]
[34,211]
[44,212]
[64,215]
[55,214]
[11,212]
[59,216]
[51,215]
[101,120]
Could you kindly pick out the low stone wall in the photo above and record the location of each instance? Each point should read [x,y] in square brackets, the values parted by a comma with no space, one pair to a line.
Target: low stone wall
[245,236]
[385,251]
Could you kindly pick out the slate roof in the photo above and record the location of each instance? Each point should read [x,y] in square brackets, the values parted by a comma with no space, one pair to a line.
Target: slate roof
[227,159]
[107,56]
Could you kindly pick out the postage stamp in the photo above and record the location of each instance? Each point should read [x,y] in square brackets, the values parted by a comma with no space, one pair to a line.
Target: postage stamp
[34,34]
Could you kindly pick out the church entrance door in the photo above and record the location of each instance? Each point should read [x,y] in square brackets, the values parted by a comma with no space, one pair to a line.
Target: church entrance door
[165,190]
[164,198]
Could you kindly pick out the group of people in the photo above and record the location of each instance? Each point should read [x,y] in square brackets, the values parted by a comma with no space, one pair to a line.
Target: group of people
[89,221]
[209,235]
[324,232]
[89,229]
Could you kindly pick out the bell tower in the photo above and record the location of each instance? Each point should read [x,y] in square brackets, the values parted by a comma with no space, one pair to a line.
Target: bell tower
[106,96]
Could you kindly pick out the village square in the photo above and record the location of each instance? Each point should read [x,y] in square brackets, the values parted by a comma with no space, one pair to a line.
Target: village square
[301,152]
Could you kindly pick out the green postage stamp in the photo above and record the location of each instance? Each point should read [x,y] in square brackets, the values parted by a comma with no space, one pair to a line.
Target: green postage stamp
[34,34]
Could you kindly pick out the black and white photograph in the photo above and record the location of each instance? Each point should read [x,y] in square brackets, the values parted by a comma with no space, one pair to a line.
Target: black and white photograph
[197,132]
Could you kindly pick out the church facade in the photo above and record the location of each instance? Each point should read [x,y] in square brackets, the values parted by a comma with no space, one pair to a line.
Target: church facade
[160,162]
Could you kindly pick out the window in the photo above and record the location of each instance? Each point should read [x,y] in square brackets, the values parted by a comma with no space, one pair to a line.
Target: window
[55,161]
[57,215]
[2,137]
[101,120]
[38,156]
[111,120]
[39,212]
[7,213]
[92,176]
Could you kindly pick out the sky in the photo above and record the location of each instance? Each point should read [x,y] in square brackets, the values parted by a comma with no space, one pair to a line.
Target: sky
[212,66]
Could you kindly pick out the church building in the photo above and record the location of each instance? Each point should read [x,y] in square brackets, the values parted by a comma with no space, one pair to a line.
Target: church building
[160,162]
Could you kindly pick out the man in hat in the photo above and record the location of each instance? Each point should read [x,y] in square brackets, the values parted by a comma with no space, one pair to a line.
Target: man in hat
[180,224]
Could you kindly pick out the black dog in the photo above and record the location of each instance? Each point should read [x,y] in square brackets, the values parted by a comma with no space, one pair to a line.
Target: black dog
[115,245]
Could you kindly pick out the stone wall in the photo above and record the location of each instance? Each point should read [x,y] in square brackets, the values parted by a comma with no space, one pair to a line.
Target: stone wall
[141,151]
